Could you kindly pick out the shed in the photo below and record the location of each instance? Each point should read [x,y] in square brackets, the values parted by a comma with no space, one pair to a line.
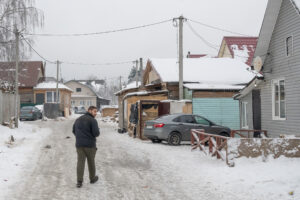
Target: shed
[109,111]
[46,93]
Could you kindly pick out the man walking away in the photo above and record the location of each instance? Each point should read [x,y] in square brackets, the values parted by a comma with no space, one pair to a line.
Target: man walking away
[86,130]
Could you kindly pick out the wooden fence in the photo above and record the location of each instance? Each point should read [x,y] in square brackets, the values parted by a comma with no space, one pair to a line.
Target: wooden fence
[217,145]
[248,133]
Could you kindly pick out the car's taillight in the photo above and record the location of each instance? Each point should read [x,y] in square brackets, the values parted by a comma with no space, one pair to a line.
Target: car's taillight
[159,125]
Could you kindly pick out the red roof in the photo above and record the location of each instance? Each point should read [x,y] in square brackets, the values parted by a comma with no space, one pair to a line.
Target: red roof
[29,72]
[236,44]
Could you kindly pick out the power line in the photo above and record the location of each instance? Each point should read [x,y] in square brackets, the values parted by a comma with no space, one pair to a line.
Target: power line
[98,64]
[202,38]
[217,28]
[36,51]
[74,63]
[101,32]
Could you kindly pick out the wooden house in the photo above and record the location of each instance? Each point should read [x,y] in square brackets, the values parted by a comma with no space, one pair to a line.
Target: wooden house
[209,82]
[272,102]
[45,92]
[30,74]
[85,95]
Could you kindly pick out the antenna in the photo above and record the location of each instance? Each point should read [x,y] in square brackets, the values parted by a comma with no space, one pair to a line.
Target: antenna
[258,64]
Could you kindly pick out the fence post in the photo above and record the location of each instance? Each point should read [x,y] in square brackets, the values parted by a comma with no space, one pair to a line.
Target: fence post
[210,144]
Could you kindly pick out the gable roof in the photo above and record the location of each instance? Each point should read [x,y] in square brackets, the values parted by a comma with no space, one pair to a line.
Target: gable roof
[204,70]
[267,28]
[28,72]
[83,83]
[241,48]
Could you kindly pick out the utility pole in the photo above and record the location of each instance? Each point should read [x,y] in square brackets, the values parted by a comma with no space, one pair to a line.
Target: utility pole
[17,35]
[137,73]
[57,78]
[141,72]
[181,18]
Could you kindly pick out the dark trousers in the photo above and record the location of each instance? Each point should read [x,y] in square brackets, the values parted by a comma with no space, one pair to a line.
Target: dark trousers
[84,153]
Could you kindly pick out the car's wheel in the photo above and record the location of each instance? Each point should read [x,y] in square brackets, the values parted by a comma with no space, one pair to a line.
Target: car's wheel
[225,134]
[156,141]
[174,138]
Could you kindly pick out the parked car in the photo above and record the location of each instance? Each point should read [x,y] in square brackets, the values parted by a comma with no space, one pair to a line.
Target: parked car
[176,128]
[30,113]
[79,110]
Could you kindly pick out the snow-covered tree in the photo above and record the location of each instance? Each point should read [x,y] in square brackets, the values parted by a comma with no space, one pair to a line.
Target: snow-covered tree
[20,14]
[131,75]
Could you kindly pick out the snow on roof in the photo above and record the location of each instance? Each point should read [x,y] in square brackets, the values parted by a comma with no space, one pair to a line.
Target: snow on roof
[51,85]
[242,48]
[204,70]
[129,86]
[212,86]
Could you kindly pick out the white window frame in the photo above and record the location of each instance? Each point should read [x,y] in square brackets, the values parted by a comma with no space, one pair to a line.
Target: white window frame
[53,100]
[286,46]
[244,115]
[273,82]
[82,102]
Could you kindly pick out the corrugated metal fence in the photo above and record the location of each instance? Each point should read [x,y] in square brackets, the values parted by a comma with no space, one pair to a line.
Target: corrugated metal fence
[223,111]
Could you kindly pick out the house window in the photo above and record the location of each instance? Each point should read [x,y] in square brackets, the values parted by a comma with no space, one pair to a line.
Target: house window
[89,103]
[78,89]
[72,102]
[51,97]
[82,102]
[244,115]
[289,46]
[279,108]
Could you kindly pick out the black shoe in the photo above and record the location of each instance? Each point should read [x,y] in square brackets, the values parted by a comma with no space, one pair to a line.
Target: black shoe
[79,184]
[94,180]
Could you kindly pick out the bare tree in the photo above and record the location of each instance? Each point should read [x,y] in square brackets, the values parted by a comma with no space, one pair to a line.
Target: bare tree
[20,14]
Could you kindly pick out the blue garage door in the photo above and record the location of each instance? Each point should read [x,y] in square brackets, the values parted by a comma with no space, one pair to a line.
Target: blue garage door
[222,111]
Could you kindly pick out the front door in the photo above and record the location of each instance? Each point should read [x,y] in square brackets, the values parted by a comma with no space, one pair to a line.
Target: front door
[40,98]
[256,108]
[185,124]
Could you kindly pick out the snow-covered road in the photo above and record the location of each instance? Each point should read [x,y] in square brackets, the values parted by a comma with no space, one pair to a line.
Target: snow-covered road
[133,169]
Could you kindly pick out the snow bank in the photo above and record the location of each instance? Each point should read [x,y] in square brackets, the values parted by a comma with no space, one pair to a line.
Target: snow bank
[200,175]
[15,156]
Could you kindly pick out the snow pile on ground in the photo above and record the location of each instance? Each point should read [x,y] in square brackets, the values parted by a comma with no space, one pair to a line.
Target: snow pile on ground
[196,172]
[16,155]
[110,120]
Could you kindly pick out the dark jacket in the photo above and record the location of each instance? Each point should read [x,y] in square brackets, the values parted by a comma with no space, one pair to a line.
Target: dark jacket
[86,130]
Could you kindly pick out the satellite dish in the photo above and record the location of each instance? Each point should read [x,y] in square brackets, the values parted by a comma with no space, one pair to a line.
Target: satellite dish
[258,64]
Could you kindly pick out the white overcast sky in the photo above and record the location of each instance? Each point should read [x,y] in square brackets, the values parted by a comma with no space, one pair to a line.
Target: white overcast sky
[83,16]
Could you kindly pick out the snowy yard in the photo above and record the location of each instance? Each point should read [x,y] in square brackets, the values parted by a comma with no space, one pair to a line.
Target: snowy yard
[133,169]
[16,156]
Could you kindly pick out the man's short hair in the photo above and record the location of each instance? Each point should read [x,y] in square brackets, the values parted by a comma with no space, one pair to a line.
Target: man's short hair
[92,108]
